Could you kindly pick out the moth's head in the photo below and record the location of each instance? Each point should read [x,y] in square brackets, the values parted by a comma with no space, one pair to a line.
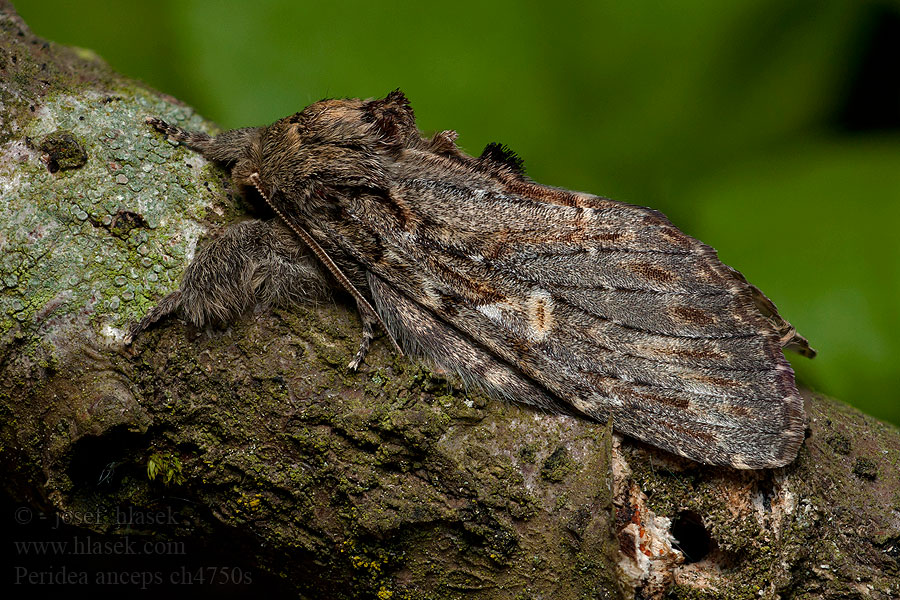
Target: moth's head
[331,142]
[376,124]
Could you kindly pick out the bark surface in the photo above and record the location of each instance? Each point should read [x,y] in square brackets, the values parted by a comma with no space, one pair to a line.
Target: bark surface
[264,454]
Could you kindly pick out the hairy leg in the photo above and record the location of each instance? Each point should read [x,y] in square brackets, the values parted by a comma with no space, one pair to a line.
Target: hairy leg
[369,321]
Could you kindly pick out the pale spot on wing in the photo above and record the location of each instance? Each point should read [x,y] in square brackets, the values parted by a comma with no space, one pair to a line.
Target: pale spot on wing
[540,308]
[604,399]
[589,215]
[493,312]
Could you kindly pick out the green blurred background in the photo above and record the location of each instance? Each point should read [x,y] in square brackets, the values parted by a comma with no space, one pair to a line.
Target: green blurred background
[768,129]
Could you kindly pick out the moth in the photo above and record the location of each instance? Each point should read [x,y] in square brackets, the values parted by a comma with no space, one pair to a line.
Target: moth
[563,300]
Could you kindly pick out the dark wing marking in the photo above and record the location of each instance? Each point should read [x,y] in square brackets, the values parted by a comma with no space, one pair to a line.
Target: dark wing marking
[503,156]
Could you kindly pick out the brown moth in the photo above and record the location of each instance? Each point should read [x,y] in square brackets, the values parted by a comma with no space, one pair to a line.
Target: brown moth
[559,299]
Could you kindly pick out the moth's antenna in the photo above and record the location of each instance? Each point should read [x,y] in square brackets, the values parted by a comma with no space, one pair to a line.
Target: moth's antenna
[366,309]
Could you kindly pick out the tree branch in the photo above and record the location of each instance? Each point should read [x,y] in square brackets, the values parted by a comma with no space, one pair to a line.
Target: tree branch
[389,483]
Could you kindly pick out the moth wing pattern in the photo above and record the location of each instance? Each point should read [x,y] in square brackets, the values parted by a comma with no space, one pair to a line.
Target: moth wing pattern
[611,309]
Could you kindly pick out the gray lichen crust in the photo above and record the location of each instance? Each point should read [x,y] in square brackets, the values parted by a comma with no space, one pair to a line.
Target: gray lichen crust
[112,234]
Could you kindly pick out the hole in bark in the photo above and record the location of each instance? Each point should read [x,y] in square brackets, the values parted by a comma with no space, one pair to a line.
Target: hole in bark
[766,487]
[691,537]
[102,460]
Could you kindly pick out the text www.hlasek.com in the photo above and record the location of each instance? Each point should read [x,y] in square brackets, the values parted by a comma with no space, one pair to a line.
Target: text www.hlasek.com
[80,546]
